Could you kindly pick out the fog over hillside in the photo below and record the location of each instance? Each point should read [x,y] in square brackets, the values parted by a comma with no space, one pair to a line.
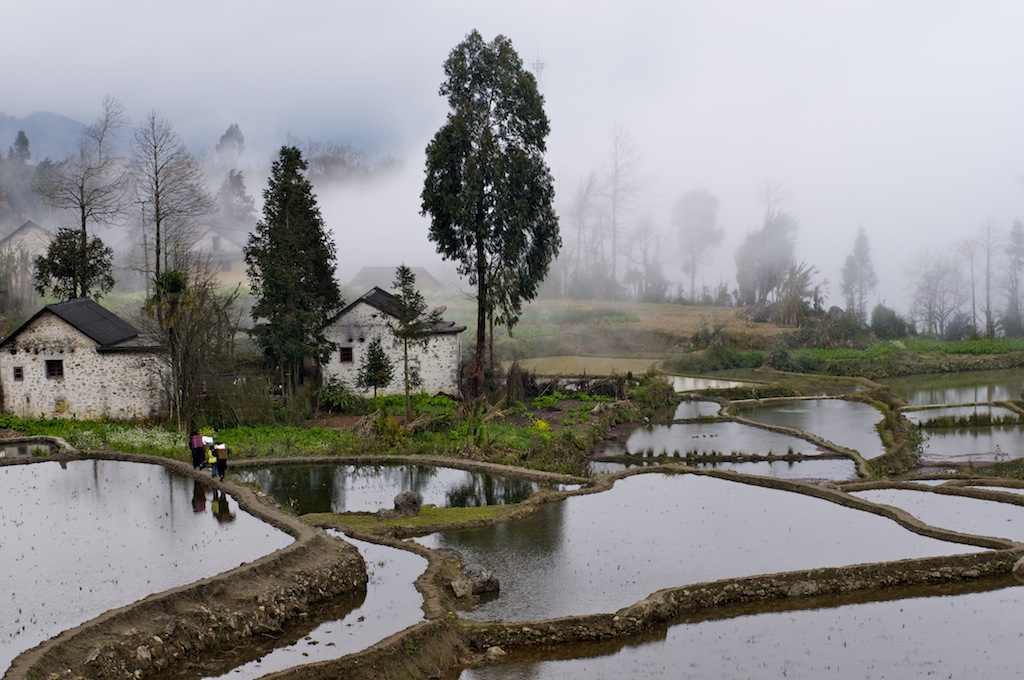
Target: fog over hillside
[902,117]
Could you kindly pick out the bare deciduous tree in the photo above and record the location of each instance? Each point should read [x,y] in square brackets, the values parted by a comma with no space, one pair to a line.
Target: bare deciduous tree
[170,185]
[91,183]
[622,185]
[938,292]
[695,214]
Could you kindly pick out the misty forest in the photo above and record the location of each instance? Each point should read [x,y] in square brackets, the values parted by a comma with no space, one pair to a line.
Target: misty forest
[612,249]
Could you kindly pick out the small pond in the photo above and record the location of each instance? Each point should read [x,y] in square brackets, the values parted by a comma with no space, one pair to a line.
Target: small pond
[27,448]
[685,383]
[600,552]
[391,604]
[709,438]
[827,469]
[83,537]
[849,424]
[972,444]
[696,409]
[959,635]
[968,387]
[959,513]
[921,416]
[332,487]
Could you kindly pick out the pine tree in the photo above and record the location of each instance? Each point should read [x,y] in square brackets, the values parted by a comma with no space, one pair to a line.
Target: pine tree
[412,327]
[290,260]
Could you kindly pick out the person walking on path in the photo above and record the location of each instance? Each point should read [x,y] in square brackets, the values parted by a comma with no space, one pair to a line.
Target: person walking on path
[195,443]
[221,452]
[211,460]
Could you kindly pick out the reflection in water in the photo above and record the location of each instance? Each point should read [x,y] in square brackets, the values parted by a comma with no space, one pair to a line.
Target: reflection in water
[829,469]
[972,444]
[696,409]
[345,488]
[959,635]
[601,552]
[847,423]
[220,506]
[959,388]
[99,534]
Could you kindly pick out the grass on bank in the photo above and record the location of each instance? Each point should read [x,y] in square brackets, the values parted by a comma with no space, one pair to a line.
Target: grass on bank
[512,438]
[430,519]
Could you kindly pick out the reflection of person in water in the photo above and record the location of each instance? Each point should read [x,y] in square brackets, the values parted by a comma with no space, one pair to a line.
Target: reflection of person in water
[198,497]
[221,507]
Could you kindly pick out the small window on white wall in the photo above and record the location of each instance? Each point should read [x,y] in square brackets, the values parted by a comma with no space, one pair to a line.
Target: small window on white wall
[19,373]
[54,368]
[346,355]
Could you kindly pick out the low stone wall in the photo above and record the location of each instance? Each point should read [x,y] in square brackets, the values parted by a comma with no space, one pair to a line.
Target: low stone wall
[426,650]
[665,605]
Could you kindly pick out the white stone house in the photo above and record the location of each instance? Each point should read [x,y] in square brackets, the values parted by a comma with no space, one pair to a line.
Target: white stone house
[355,327]
[76,359]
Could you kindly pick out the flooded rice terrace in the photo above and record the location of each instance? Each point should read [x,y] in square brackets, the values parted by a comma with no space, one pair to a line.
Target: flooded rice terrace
[601,552]
[84,537]
[79,539]
[938,633]
[332,487]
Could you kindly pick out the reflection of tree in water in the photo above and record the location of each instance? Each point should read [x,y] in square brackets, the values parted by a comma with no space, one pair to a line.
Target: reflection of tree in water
[302,487]
[483,489]
[537,537]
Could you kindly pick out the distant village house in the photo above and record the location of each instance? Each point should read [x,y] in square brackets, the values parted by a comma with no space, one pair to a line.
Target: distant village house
[352,330]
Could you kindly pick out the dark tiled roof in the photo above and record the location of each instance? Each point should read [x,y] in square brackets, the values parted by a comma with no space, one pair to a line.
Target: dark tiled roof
[86,315]
[389,304]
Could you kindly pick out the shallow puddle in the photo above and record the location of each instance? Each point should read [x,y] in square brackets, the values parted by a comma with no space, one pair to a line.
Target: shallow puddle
[331,487]
[970,635]
[847,423]
[601,552]
[959,513]
[709,438]
[391,604]
[80,538]
[22,449]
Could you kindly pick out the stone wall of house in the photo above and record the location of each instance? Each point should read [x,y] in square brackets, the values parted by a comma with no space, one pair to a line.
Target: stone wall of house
[119,385]
[438,362]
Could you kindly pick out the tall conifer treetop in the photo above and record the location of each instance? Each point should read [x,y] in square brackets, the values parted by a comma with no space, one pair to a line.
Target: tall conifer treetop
[290,260]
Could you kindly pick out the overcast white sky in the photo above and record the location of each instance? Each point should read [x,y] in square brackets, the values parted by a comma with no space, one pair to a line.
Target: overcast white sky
[904,116]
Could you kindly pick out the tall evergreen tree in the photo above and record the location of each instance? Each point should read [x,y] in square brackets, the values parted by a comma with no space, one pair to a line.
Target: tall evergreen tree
[290,260]
[488,190]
